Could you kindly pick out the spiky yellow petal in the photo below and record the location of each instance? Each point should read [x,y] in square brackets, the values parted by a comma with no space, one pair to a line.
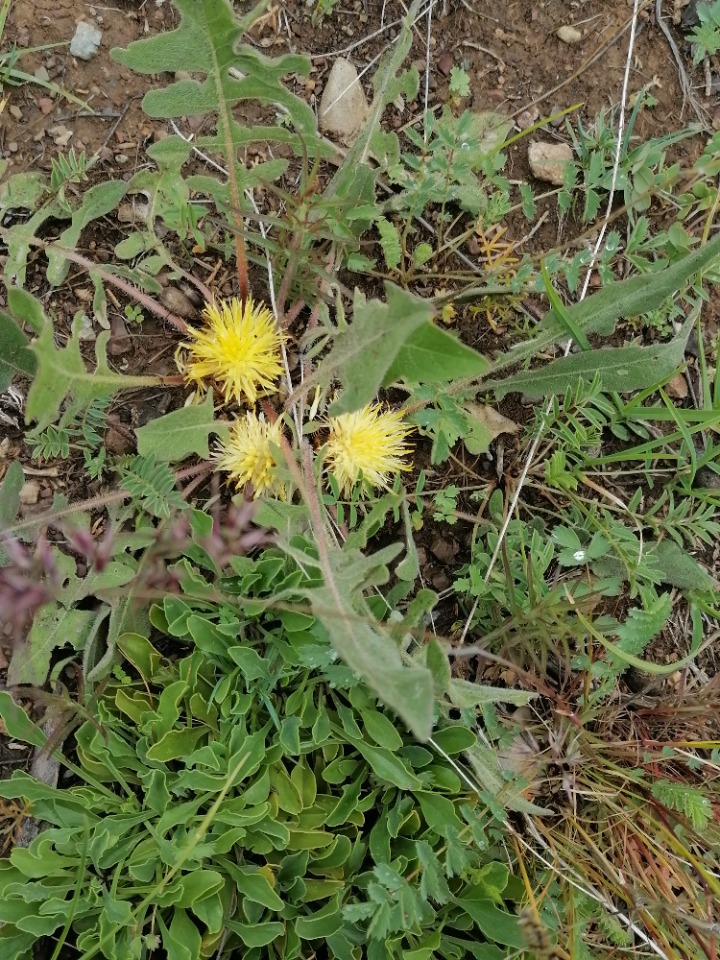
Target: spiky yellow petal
[239,349]
[371,443]
[248,458]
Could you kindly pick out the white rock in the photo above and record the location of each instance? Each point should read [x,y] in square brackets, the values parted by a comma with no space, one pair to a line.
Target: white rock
[30,492]
[86,42]
[343,107]
[547,161]
[569,34]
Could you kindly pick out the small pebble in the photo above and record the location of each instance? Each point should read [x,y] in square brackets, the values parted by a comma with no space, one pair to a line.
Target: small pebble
[677,388]
[133,212]
[86,41]
[547,161]
[569,35]
[30,492]
[445,550]
[176,302]
[343,106]
[445,64]
[61,135]
[557,121]
[441,581]
[42,75]
[120,341]
[16,112]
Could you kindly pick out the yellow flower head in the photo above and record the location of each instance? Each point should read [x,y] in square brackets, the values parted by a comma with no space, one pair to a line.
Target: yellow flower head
[247,456]
[369,442]
[239,349]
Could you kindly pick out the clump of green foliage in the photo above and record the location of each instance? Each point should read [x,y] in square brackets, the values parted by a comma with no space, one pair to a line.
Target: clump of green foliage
[277,755]
[242,791]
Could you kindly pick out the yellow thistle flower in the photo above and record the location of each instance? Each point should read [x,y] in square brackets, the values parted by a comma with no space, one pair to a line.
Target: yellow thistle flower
[369,442]
[239,349]
[248,458]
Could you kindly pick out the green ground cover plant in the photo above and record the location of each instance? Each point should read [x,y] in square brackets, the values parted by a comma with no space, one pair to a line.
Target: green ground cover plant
[275,750]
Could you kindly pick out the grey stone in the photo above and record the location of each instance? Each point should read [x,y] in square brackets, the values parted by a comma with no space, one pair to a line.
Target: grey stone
[569,35]
[548,161]
[86,42]
[343,107]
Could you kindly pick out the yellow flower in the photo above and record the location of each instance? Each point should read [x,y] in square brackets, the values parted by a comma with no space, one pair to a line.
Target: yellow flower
[239,349]
[247,456]
[369,442]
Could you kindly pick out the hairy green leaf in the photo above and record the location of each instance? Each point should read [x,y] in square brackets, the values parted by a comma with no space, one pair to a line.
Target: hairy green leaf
[463,694]
[9,501]
[208,41]
[22,191]
[181,433]
[365,646]
[621,369]
[678,568]
[98,201]
[53,627]
[26,309]
[62,374]
[17,723]
[633,297]
[432,355]
[15,356]
[10,494]
[363,353]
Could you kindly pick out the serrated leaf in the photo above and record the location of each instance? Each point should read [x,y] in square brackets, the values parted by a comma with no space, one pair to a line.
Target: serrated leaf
[390,242]
[433,885]
[208,41]
[643,625]
[22,191]
[431,355]
[62,373]
[421,254]
[26,309]
[17,723]
[181,433]
[98,201]
[53,627]
[622,369]
[16,358]
[362,353]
